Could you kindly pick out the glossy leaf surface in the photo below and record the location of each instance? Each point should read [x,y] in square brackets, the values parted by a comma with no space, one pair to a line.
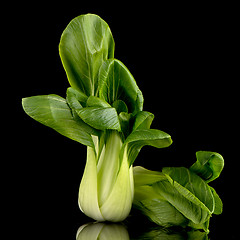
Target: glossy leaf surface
[76,99]
[188,193]
[142,137]
[143,120]
[53,111]
[218,202]
[101,118]
[117,83]
[85,43]
[209,165]
[151,203]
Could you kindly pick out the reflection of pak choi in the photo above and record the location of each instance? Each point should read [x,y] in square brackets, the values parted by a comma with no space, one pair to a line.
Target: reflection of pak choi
[98,231]
[102,110]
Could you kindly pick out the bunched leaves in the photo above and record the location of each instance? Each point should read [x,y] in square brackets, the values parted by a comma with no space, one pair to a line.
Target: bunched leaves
[53,111]
[117,83]
[103,110]
[179,196]
[85,44]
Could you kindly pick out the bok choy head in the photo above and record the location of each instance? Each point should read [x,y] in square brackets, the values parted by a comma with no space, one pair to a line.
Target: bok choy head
[178,196]
[103,110]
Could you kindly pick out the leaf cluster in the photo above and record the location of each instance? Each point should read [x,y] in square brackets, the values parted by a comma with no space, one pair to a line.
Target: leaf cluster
[103,95]
[178,195]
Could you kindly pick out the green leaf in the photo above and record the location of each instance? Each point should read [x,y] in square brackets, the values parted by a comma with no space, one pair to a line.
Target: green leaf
[151,203]
[190,208]
[143,120]
[97,102]
[170,201]
[85,43]
[143,176]
[188,193]
[203,226]
[191,182]
[75,99]
[117,83]
[124,119]
[218,202]
[141,137]
[97,113]
[208,166]
[101,118]
[120,106]
[197,235]
[161,212]
[53,111]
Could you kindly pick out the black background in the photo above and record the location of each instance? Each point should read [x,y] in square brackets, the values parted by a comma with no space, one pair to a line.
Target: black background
[183,58]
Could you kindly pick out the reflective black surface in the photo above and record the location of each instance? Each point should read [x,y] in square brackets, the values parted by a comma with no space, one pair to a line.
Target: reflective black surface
[115,231]
[134,229]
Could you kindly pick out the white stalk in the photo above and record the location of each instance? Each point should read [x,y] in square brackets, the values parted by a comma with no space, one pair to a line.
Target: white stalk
[106,190]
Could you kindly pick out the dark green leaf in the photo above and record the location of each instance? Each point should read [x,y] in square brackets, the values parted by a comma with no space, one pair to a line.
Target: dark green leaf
[167,203]
[101,118]
[97,102]
[188,193]
[143,120]
[208,166]
[204,225]
[120,106]
[189,206]
[97,113]
[151,203]
[76,99]
[124,119]
[218,202]
[85,43]
[161,212]
[117,83]
[197,235]
[193,183]
[53,111]
[141,137]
